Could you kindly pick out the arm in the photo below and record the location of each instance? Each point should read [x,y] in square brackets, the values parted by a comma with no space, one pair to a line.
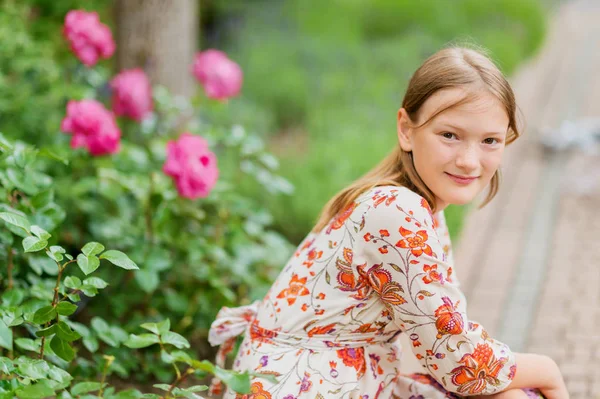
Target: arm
[402,261]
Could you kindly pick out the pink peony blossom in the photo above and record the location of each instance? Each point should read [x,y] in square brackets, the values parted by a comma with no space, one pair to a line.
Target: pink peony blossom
[192,165]
[90,39]
[220,77]
[132,94]
[92,126]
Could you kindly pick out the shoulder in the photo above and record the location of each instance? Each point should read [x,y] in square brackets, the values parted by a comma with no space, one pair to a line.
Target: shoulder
[388,203]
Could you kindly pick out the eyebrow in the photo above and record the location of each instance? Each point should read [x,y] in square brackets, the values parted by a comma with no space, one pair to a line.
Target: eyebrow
[461,129]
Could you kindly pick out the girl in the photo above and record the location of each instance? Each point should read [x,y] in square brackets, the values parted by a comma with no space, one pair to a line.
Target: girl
[379,263]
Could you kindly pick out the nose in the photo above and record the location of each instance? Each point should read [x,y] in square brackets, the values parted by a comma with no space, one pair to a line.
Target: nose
[467,158]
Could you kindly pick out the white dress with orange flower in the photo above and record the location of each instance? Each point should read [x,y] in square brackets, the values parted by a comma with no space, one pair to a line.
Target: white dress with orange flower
[328,327]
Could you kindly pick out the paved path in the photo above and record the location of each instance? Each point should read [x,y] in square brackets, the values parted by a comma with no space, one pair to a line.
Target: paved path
[529,262]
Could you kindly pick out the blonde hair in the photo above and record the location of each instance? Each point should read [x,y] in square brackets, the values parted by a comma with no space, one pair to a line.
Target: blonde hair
[452,67]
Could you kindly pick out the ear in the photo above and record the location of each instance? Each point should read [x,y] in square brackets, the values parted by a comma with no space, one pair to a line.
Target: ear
[404,130]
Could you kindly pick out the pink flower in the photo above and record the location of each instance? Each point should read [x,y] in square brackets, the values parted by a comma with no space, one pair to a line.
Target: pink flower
[90,39]
[132,94]
[92,126]
[220,77]
[192,165]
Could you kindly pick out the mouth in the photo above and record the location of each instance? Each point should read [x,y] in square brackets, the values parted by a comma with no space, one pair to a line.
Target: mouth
[462,179]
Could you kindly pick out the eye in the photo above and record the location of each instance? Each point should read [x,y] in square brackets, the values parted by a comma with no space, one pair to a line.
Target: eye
[490,141]
[448,135]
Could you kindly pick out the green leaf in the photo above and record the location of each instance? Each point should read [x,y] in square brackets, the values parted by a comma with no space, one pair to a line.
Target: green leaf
[87,264]
[152,327]
[196,388]
[33,368]
[96,282]
[43,264]
[15,220]
[141,341]
[74,297]
[164,387]
[85,387]
[181,356]
[56,252]
[6,336]
[72,282]
[65,333]
[62,348]
[60,376]
[179,392]
[45,332]
[39,232]
[92,248]
[148,280]
[118,258]
[28,344]
[41,389]
[33,244]
[13,297]
[164,326]
[89,290]
[42,198]
[44,315]
[239,382]
[50,153]
[175,339]
[65,308]
[6,365]
[166,357]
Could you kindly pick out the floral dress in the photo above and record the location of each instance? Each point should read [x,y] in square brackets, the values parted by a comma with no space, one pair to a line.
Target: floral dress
[328,326]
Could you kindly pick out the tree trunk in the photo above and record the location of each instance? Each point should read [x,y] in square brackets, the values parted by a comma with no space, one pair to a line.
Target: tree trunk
[159,36]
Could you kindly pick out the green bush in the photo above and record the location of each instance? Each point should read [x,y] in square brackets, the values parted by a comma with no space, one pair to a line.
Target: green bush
[194,256]
[45,286]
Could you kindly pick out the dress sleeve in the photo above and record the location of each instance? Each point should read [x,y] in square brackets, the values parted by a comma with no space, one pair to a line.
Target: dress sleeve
[403,263]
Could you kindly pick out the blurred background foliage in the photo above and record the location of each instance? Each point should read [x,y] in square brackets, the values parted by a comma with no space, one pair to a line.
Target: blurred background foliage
[325,78]
[322,84]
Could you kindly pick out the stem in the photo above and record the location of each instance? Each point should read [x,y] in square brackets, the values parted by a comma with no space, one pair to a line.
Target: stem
[10,267]
[55,299]
[148,213]
[57,286]
[179,380]
[109,361]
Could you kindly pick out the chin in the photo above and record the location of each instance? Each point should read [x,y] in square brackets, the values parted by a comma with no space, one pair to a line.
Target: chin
[459,199]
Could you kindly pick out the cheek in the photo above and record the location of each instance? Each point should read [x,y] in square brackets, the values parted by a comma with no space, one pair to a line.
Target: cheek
[491,161]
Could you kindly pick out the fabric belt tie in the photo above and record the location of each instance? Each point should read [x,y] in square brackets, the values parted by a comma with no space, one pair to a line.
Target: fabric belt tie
[229,323]
[232,322]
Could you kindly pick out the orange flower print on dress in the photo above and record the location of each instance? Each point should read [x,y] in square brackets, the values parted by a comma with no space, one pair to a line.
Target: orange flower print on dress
[416,242]
[256,392]
[354,357]
[296,288]
[381,281]
[313,255]
[448,320]
[321,330]
[433,275]
[341,218]
[479,369]
[388,199]
[346,279]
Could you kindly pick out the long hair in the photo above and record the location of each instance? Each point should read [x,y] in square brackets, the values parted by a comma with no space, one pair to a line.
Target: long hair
[452,67]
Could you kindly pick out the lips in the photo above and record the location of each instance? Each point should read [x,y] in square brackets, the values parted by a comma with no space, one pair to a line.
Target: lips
[462,179]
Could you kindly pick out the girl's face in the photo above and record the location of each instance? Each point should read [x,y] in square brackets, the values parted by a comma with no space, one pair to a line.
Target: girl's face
[459,150]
